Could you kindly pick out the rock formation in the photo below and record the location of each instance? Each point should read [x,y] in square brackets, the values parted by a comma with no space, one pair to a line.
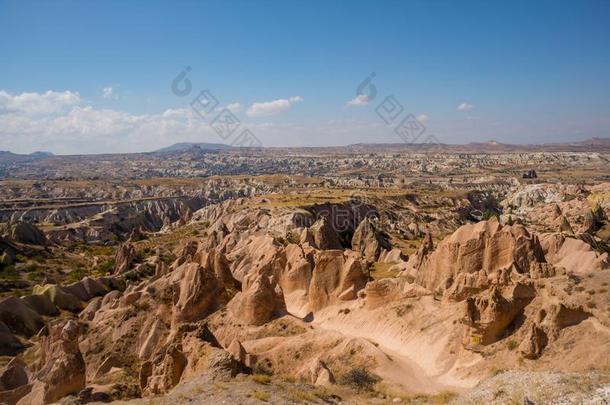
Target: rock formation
[124,258]
[261,300]
[197,292]
[480,251]
[324,235]
[337,276]
[574,255]
[491,312]
[61,368]
[258,287]
[25,232]
[369,241]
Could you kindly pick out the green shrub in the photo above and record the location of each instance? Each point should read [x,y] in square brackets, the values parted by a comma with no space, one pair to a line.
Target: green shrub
[105,267]
[488,214]
[263,367]
[281,240]
[291,237]
[8,272]
[77,274]
[359,379]
[38,259]
[21,258]
[141,306]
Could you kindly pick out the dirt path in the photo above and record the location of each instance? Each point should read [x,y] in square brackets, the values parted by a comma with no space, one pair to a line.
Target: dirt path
[395,366]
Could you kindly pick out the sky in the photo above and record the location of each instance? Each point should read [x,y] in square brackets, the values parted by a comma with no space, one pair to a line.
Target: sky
[92,77]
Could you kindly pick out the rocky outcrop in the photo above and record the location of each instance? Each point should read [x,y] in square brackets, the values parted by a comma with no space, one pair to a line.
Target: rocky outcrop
[163,373]
[221,365]
[479,251]
[86,289]
[491,312]
[324,235]
[417,260]
[394,255]
[197,293]
[594,220]
[217,262]
[370,241]
[379,292]
[25,232]
[62,368]
[13,375]
[564,225]
[317,373]
[533,344]
[298,270]
[124,258]
[237,350]
[91,309]
[253,255]
[574,255]
[337,276]
[41,303]
[186,253]
[10,345]
[556,316]
[549,321]
[19,318]
[239,353]
[261,301]
[59,297]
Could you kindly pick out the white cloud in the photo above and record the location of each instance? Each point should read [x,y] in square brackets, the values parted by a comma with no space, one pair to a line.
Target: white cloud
[358,101]
[233,107]
[77,127]
[423,118]
[465,107]
[108,93]
[35,122]
[272,107]
[38,103]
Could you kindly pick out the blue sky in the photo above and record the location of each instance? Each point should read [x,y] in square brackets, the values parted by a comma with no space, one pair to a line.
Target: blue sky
[88,77]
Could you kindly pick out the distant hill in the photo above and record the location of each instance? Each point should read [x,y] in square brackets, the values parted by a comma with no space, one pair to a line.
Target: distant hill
[41,154]
[185,146]
[5,154]
[589,145]
[596,141]
[8,156]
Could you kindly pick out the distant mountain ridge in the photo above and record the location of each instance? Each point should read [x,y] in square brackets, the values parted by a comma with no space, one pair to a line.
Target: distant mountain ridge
[588,145]
[185,146]
[9,156]
[596,141]
[39,153]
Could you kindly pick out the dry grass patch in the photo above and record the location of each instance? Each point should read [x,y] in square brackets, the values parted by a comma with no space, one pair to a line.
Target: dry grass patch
[383,270]
[299,395]
[261,379]
[260,395]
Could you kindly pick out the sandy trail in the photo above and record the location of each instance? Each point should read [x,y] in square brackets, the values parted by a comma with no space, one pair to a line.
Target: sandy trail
[415,362]
[400,369]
